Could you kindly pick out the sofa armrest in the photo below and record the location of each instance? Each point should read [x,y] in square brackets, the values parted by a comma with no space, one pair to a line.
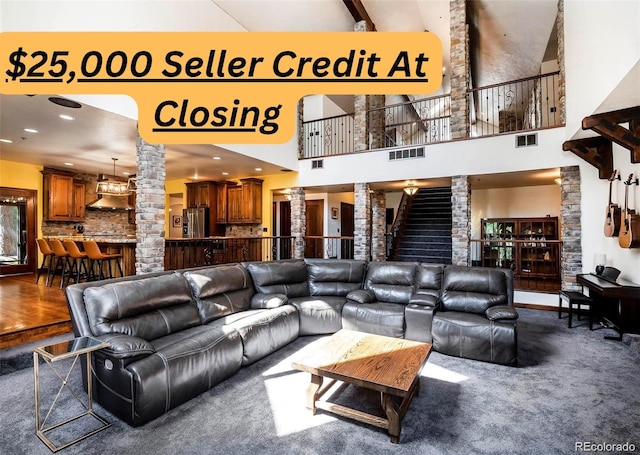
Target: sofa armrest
[126,347]
[498,312]
[263,301]
[361,296]
[424,300]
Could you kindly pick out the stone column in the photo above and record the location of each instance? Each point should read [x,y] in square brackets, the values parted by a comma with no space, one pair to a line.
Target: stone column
[298,222]
[562,99]
[460,69]
[362,222]
[571,228]
[461,219]
[300,127]
[378,225]
[150,196]
[368,126]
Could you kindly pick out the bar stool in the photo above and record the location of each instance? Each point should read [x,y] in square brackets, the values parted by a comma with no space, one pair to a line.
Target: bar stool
[98,257]
[48,257]
[578,299]
[78,260]
[62,260]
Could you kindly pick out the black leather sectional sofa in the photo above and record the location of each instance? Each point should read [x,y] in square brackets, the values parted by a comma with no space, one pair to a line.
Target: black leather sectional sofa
[174,335]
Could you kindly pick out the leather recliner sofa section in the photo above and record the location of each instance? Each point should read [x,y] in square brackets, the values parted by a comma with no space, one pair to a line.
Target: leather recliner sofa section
[174,335]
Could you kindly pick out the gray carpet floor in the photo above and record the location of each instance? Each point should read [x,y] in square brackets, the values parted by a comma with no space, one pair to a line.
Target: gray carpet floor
[571,386]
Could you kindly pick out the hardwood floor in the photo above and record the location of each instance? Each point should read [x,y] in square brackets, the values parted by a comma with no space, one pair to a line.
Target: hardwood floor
[30,312]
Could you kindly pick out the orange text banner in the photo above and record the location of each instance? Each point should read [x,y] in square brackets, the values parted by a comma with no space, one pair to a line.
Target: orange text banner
[219,87]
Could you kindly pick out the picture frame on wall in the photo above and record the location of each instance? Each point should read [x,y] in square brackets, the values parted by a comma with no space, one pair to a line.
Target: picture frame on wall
[176,221]
[334,213]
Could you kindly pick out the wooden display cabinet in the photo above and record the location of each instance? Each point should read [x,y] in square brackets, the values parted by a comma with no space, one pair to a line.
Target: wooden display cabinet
[528,246]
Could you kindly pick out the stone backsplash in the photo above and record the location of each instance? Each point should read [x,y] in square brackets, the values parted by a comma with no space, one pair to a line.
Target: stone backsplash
[97,223]
[243,230]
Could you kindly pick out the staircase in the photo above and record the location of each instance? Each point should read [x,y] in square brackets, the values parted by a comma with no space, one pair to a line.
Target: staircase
[425,235]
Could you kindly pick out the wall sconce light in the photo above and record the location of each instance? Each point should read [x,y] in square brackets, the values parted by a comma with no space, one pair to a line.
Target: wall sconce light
[410,189]
[558,181]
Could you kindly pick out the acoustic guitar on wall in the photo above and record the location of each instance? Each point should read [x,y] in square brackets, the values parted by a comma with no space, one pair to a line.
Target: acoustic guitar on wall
[614,212]
[629,221]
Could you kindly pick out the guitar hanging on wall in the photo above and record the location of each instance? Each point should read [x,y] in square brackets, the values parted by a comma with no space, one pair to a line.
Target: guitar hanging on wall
[614,212]
[629,221]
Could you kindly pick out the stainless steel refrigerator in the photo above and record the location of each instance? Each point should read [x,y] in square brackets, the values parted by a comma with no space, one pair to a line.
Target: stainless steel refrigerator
[195,223]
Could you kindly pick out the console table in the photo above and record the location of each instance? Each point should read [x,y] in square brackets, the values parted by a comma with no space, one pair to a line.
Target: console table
[53,353]
[616,304]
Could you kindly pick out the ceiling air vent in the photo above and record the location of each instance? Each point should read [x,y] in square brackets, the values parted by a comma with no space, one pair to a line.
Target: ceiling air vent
[406,153]
[526,140]
[317,164]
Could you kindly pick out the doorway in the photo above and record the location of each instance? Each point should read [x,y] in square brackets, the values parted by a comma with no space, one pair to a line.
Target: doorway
[285,241]
[17,231]
[315,229]
[346,229]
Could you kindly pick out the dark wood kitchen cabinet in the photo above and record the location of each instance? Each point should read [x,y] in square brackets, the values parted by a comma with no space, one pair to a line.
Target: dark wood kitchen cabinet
[223,201]
[201,194]
[205,195]
[63,197]
[251,201]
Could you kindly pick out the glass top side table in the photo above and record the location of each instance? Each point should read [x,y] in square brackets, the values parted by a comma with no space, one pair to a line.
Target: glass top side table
[53,353]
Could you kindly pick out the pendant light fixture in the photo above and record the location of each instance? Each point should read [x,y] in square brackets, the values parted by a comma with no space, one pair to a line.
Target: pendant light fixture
[112,187]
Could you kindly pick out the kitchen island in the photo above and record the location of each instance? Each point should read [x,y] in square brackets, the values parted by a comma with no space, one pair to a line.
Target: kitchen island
[126,246]
[181,253]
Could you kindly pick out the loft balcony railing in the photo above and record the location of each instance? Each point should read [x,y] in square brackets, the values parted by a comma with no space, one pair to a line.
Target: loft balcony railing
[328,136]
[522,105]
[517,106]
[414,122]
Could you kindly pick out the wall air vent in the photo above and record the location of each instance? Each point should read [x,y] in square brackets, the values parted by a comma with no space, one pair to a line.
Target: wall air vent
[317,164]
[526,140]
[406,153]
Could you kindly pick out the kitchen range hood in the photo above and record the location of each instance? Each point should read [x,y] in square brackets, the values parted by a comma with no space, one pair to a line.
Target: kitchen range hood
[105,202]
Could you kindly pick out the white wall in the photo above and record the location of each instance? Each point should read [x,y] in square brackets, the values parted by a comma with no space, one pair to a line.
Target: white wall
[521,202]
[602,44]
[115,16]
[467,157]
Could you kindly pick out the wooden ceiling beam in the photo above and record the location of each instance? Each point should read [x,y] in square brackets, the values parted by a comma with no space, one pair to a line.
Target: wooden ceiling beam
[596,151]
[608,125]
[359,13]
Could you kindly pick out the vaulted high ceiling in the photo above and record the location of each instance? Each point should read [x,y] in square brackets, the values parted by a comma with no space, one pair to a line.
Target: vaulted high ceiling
[508,38]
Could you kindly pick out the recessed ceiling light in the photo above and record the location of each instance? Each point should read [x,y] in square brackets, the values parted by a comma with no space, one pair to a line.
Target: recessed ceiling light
[65,117]
[64,102]
[225,173]
[30,130]
[68,164]
[217,158]
[6,141]
[258,169]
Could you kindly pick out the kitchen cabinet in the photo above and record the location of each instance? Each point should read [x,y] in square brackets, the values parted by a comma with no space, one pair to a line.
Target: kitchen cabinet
[234,205]
[251,200]
[64,197]
[131,214]
[223,201]
[205,195]
[78,204]
[200,194]
[244,202]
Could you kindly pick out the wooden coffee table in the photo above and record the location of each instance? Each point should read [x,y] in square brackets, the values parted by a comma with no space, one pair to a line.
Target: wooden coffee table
[389,365]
